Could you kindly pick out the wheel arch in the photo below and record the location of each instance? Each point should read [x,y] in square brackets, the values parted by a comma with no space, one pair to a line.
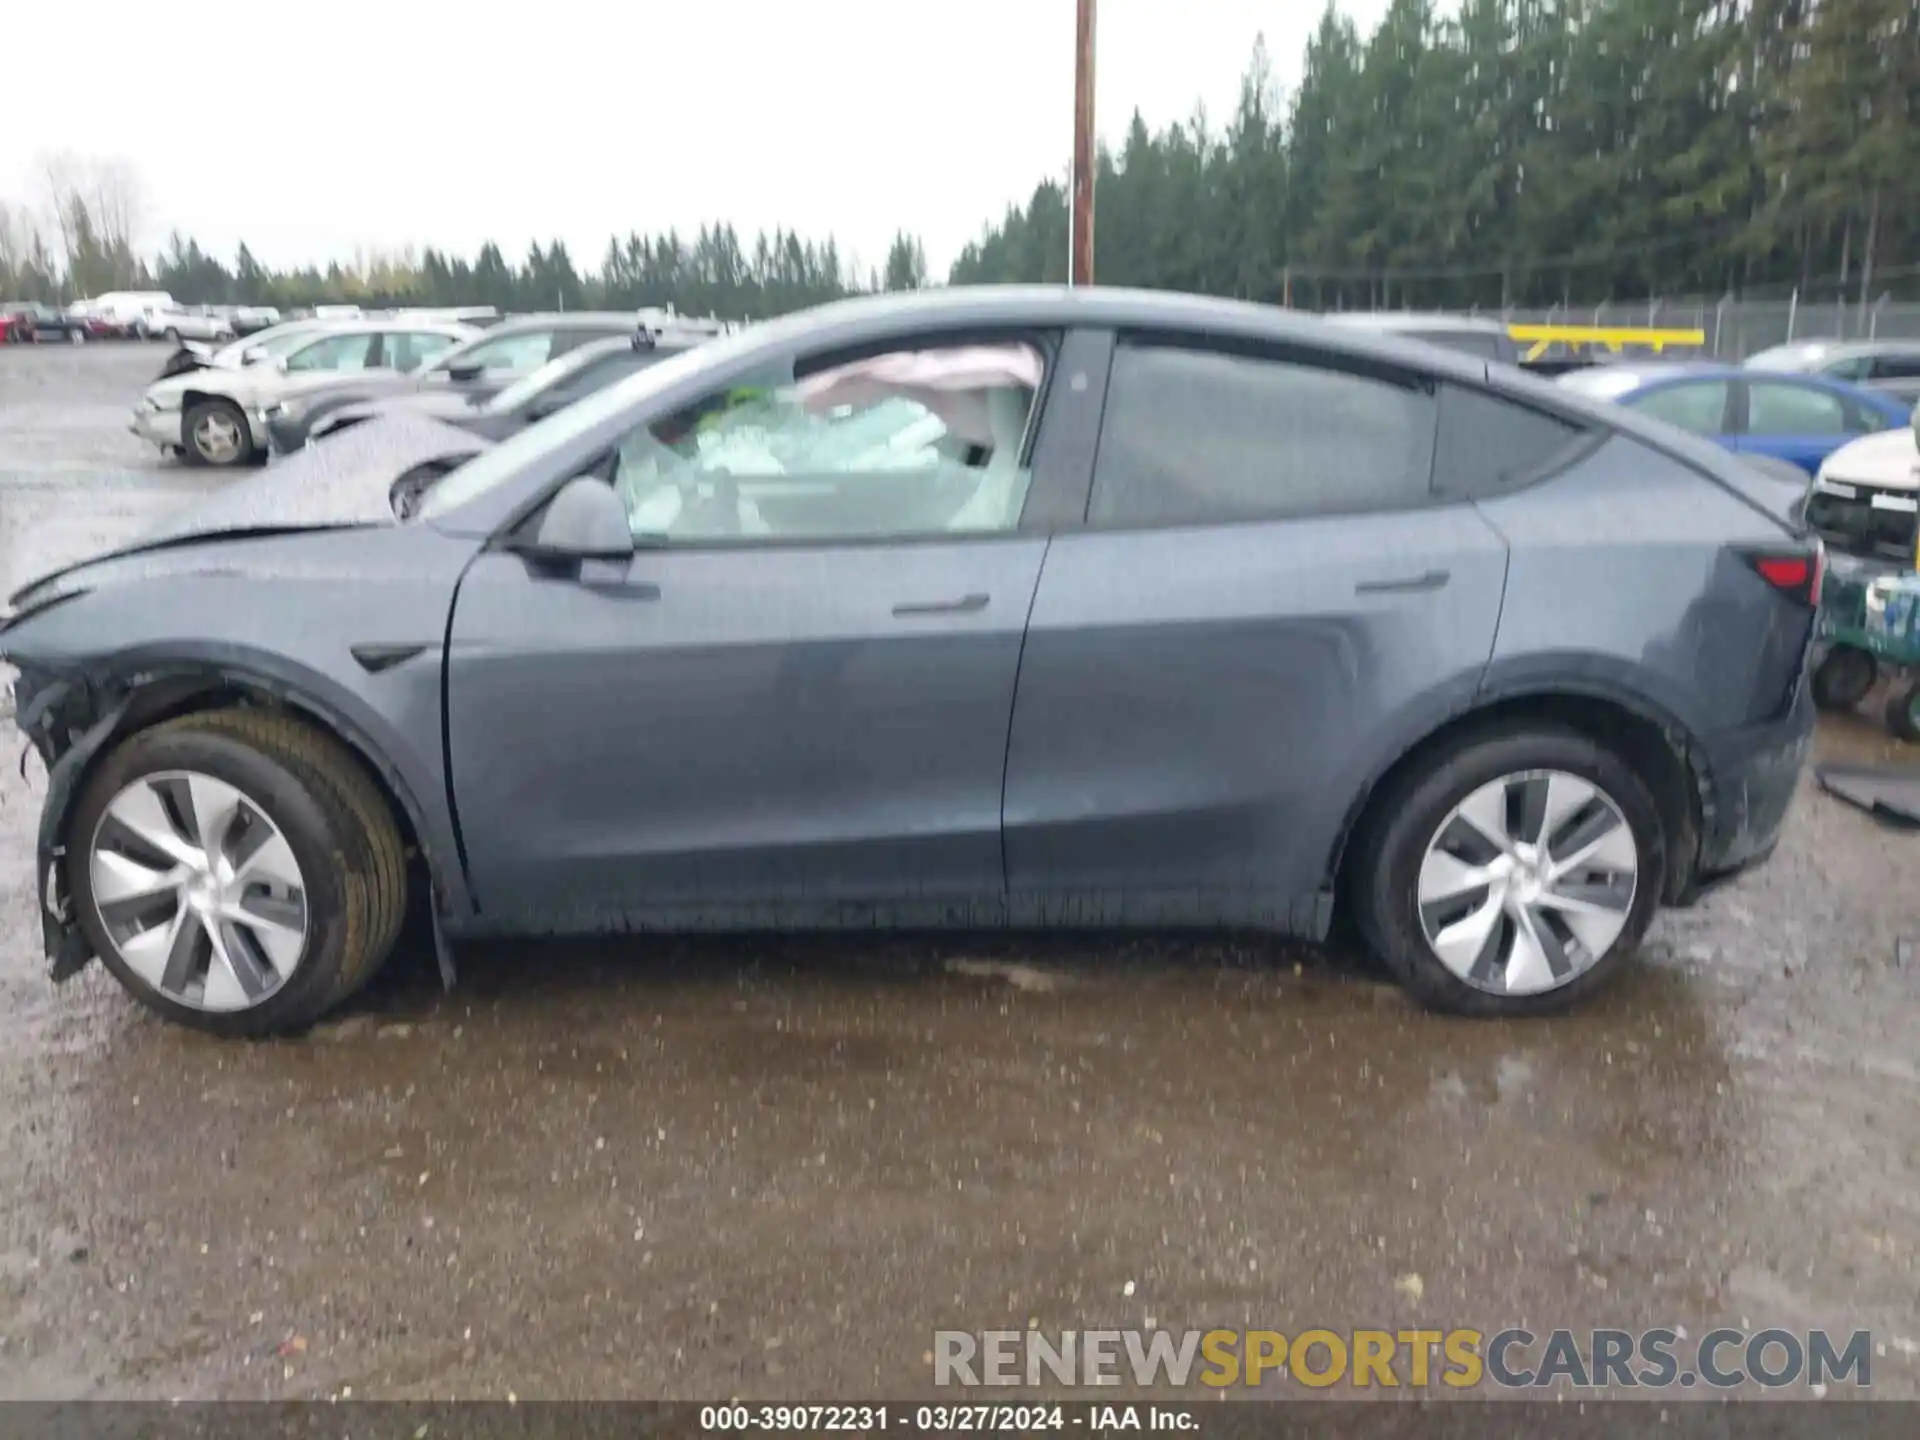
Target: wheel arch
[1645,734]
[162,691]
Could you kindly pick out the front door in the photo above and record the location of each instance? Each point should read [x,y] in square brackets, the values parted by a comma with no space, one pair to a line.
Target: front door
[791,706]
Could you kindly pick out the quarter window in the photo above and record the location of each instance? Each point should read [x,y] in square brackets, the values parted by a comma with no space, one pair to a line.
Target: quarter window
[1197,436]
[1488,445]
[1794,410]
[907,443]
[1700,407]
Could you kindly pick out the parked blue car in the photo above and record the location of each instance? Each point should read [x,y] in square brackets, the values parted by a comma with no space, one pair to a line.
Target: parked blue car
[1801,419]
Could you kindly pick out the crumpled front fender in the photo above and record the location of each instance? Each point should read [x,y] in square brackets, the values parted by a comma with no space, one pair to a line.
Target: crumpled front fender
[48,719]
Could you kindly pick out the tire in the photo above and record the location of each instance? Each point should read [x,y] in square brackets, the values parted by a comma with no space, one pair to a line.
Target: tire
[170,335]
[1903,713]
[1842,680]
[76,337]
[205,420]
[1406,819]
[337,828]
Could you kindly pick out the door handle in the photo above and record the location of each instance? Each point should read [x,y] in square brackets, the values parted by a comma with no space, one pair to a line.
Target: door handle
[1405,585]
[965,605]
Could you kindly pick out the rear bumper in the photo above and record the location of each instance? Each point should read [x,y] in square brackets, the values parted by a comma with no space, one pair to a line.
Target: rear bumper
[1748,779]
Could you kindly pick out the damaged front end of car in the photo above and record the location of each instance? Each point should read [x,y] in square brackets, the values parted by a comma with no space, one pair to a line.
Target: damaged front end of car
[66,719]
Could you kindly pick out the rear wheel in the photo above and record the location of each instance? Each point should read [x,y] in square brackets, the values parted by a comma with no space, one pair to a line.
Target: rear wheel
[216,434]
[1511,874]
[237,871]
[1842,680]
[171,335]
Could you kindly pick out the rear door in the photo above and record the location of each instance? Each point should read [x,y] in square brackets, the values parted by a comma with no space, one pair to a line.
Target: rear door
[1266,597]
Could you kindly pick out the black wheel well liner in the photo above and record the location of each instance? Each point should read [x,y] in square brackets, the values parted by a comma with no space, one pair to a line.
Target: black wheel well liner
[170,694]
[190,398]
[1657,748]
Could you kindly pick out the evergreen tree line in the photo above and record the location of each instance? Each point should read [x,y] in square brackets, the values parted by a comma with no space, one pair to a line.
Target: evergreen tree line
[1486,152]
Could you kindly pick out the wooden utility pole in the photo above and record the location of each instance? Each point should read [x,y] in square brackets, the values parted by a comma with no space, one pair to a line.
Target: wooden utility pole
[1080,269]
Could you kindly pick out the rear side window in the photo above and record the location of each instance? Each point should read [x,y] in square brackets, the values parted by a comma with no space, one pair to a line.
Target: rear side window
[1896,367]
[1193,436]
[1775,409]
[1488,445]
[1699,406]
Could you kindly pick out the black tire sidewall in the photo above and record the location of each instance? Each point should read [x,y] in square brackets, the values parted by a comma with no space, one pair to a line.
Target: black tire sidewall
[309,831]
[1389,894]
[190,423]
[1828,692]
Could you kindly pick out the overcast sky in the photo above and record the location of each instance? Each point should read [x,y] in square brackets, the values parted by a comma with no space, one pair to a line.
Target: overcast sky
[311,127]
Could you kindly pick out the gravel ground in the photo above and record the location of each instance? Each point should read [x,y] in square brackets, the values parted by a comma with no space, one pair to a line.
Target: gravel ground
[772,1168]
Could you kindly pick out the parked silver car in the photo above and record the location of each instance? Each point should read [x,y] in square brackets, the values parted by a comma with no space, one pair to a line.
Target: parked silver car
[218,415]
[1889,365]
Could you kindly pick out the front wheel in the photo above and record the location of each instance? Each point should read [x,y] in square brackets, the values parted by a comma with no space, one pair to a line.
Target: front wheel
[1511,874]
[216,434]
[236,871]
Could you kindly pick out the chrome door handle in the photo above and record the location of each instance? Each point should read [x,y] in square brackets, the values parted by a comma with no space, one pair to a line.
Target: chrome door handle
[1405,585]
[965,605]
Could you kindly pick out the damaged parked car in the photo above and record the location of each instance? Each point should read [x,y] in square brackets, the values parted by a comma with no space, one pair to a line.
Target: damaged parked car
[528,400]
[984,607]
[218,414]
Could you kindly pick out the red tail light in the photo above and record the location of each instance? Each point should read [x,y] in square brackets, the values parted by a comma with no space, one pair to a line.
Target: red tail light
[1794,572]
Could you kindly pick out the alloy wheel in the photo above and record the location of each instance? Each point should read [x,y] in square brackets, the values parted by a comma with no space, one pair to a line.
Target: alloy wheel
[217,438]
[1528,882]
[199,891]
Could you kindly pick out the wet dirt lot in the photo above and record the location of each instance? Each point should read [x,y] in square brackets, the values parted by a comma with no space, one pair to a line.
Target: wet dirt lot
[773,1168]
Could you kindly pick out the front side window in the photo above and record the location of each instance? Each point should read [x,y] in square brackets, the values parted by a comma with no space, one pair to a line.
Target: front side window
[334,352]
[1197,436]
[1853,367]
[915,442]
[1700,406]
[1774,409]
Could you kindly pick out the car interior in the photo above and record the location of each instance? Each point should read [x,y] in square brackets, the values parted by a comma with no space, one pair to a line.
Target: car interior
[907,443]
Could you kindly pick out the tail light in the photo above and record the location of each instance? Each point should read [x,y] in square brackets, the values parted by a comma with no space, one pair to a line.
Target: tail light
[1797,573]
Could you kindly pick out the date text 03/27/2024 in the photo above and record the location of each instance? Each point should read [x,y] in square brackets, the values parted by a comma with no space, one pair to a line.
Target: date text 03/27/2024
[1086,1418]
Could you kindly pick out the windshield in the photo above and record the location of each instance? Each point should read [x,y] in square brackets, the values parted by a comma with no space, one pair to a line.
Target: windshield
[274,342]
[554,372]
[1802,355]
[1602,382]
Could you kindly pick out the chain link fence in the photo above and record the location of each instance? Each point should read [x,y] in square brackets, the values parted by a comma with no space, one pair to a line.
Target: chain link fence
[1735,329]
